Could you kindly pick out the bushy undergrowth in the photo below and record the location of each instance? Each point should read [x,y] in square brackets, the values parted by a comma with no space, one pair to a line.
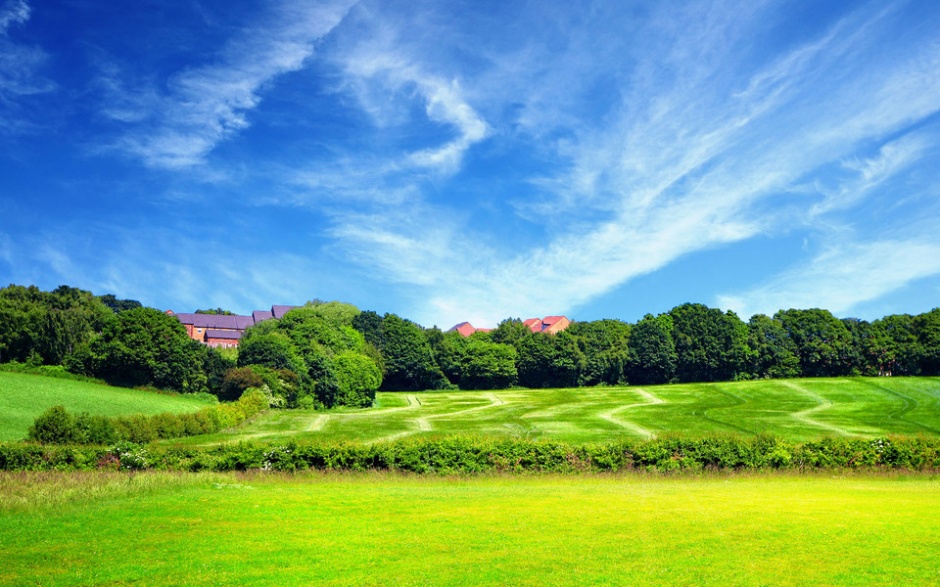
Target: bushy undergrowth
[57,426]
[459,455]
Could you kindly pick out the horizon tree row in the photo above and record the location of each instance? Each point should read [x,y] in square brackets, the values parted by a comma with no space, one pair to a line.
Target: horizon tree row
[331,353]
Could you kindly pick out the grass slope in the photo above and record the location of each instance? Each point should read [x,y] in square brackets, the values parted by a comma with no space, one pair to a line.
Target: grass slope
[63,530]
[798,409]
[23,397]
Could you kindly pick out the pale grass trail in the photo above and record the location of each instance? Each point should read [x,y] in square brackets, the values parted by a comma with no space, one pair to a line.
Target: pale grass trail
[320,421]
[611,415]
[824,404]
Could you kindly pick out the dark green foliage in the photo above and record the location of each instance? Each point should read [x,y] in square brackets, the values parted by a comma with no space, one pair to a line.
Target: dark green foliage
[214,312]
[928,342]
[309,341]
[409,361]
[652,351]
[274,350]
[511,331]
[772,353]
[54,426]
[48,325]
[476,363]
[237,380]
[710,345]
[370,325]
[549,361]
[117,305]
[823,342]
[605,346]
[143,347]
[892,347]
[461,455]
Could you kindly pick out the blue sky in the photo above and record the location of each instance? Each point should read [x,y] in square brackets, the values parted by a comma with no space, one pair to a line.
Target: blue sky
[453,161]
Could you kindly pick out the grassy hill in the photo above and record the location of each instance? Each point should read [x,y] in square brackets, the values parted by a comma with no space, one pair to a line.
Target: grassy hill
[23,397]
[798,409]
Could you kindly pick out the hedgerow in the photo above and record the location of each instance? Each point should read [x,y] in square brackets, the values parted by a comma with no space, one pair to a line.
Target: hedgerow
[463,455]
[57,426]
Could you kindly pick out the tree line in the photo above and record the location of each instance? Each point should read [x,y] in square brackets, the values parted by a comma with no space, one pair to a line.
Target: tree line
[331,353]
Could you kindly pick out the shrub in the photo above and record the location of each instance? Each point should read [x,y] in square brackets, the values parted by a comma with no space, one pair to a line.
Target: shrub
[54,426]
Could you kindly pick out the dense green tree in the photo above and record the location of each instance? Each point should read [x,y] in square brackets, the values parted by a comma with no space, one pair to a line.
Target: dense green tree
[48,325]
[275,350]
[369,324]
[823,342]
[928,342]
[652,351]
[772,353]
[118,305]
[475,362]
[319,343]
[409,361]
[54,426]
[237,380]
[316,334]
[605,345]
[511,331]
[336,313]
[710,345]
[357,377]
[549,361]
[143,347]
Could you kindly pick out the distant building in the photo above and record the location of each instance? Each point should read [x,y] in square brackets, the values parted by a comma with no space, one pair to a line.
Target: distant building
[217,330]
[548,325]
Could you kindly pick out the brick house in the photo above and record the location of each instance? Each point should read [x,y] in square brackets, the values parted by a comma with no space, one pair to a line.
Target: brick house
[219,330]
[548,325]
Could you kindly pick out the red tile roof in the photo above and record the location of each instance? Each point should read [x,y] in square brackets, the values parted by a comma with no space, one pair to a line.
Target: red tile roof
[464,328]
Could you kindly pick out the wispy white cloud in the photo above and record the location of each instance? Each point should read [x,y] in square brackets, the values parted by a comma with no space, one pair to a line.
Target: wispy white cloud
[12,13]
[206,105]
[892,158]
[19,67]
[841,278]
[382,67]
[691,164]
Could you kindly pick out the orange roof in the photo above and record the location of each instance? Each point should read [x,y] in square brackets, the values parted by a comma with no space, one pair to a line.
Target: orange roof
[464,328]
[534,324]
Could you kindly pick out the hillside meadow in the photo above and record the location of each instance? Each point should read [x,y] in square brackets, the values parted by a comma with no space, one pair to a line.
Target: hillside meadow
[794,409]
[379,529]
[25,396]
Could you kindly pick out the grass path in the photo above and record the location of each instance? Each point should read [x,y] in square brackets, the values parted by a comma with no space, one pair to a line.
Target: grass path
[611,415]
[823,404]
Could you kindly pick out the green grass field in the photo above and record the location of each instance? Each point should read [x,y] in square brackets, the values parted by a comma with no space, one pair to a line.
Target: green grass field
[197,529]
[23,397]
[799,409]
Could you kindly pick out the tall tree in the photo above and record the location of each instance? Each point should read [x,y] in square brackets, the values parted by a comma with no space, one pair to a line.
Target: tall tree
[409,361]
[652,351]
[710,345]
[823,342]
[605,345]
[773,354]
[928,341]
[143,346]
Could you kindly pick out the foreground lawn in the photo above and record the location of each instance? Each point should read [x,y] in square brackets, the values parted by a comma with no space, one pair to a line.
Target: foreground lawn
[161,529]
[23,397]
[797,409]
